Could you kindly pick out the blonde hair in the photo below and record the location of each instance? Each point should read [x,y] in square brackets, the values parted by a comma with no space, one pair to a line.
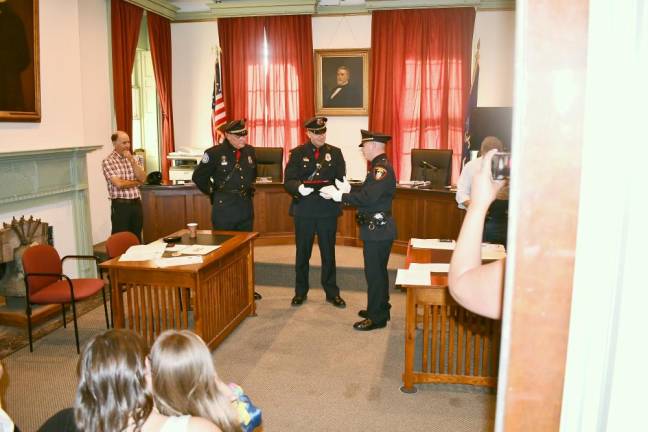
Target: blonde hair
[185,380]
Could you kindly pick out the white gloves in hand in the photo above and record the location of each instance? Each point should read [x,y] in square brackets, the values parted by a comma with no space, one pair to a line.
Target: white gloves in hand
[330,192]
[305,190]
[343,185]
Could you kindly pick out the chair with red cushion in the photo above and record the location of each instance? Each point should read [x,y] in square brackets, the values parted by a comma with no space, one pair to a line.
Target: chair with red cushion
[119,243]
[46,284]
[116,245]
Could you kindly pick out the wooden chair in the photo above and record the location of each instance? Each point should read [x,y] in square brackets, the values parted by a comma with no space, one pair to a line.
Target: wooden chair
[45,283]
[116,245]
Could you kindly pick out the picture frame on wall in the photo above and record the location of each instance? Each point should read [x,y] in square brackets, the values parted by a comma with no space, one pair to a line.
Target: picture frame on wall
[342,82]
[19,62]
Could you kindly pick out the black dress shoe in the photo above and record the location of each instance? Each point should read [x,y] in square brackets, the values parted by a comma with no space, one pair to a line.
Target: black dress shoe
[298,300]
[257,296]
[337,301]
[367,324]
[362,313]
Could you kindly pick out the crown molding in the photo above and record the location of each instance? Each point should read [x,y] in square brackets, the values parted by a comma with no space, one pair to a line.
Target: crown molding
[242,8]
[160,7]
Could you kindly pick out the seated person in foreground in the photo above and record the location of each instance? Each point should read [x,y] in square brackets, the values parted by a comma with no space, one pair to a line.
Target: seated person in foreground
[477,287]
[185,382]
[114,391]
[6,424]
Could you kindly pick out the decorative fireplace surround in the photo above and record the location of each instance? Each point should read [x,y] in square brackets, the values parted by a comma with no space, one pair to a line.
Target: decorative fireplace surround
[33,178]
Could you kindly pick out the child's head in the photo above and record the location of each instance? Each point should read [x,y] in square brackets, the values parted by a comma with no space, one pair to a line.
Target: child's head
[112,386]
[185,381]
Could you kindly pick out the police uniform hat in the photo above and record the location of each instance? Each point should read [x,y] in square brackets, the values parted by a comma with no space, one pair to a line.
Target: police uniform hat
[373,136]
[316,125]
[235,127]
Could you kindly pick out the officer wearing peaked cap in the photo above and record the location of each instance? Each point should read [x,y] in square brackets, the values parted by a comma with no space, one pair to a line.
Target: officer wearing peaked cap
[311,166]
[226,173]
[377,228]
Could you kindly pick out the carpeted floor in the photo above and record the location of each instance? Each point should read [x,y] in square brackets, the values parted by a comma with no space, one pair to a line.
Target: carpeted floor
[305,367]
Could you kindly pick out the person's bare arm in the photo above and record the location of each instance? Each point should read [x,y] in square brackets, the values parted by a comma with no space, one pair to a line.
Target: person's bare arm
[477,287]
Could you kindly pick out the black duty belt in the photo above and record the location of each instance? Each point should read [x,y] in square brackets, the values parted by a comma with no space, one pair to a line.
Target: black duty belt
[243,193]
[373,220]
[125,200]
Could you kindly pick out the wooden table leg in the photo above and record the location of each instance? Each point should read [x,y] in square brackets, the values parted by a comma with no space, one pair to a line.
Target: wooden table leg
[410,339]
[116,300]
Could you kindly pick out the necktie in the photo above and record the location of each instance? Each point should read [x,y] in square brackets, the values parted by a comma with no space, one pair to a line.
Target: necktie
[316,153]
[238,155]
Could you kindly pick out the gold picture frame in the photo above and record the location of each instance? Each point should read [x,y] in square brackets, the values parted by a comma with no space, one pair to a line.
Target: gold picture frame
[342,82]
[20,74]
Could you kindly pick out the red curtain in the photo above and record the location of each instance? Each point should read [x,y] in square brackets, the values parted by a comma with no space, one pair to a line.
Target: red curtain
[290,88]
[243,78]
[125,24]
[275,99]
[421,61]
[159,29]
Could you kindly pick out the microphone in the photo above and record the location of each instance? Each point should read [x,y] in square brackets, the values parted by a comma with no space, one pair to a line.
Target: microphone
[426,164]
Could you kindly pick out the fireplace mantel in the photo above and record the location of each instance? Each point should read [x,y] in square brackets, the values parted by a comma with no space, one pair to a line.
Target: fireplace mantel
[40,177]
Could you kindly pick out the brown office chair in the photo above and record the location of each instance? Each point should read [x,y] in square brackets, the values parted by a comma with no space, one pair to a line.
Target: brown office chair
[119,243]
[270,162]
[45,283]
[433,165]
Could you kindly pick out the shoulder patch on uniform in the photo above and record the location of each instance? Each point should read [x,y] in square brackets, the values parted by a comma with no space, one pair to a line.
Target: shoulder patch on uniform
[379,173]
[205,158]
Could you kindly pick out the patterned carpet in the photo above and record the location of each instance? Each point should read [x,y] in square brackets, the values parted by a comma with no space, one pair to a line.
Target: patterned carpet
[14,338]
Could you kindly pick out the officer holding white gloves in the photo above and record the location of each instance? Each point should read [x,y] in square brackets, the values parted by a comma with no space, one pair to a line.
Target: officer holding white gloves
[377,227]
[313,165]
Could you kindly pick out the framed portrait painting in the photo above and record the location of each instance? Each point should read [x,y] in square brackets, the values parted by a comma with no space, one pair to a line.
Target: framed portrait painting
[19,61]
[342,82]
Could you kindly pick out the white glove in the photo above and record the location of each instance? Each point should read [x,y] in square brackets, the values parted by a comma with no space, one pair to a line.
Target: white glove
[305,190]
[343,185]
[330,192]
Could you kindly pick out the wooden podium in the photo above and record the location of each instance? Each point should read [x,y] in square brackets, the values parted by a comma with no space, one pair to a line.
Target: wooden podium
[150,300]
[458,346]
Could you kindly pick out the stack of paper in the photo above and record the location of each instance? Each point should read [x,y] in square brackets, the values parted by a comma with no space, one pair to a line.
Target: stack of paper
[177,261]
[433,244]
[199,249]
[413,277]
[143,252]
[492,251]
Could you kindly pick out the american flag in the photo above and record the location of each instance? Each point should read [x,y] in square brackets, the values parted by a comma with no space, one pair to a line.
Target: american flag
[472,103]
[219,116]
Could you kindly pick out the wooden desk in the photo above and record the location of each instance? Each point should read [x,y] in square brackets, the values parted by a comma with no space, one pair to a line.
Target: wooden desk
[150,300]
[458,347]
[422,213]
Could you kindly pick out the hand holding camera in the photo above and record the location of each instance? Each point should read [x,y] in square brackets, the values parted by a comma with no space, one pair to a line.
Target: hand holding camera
[484,187]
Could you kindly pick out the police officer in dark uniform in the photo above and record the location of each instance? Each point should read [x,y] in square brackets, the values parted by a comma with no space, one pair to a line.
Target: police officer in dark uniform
[377,227]
[311,166]
[226,173]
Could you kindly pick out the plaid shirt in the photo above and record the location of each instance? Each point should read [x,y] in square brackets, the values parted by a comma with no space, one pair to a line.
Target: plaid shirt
[115,165]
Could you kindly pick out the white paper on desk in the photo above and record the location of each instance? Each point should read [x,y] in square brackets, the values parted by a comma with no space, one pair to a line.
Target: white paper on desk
[432,244]
[199,249]
[178,261]
[413,277]
[147,252]
[430,267]
[492,251]
[177,248]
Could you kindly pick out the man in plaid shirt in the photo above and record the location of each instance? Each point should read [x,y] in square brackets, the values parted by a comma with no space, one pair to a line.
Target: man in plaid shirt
[124,175]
